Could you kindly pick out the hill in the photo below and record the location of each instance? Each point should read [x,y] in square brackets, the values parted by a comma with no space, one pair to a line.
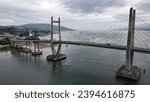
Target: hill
[23,30]
[37,29]
[43,27]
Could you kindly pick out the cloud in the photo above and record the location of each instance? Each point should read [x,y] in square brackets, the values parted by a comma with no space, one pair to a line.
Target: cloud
[92,6]
[27,11]
[77,14]
[143,6]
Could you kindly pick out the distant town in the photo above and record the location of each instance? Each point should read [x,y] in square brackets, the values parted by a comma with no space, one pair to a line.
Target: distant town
[27,32]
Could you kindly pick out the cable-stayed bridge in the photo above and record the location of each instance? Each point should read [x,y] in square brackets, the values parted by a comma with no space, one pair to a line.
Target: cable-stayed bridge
[131,34]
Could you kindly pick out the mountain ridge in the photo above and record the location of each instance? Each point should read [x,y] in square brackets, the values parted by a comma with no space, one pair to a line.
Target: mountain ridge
[43,26]
[36,28]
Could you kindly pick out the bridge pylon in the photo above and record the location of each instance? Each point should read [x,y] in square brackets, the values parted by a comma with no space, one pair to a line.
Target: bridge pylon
[128,70]
[56,52]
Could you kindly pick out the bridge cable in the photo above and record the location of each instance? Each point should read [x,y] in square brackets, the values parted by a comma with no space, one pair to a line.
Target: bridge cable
[121,38]
[144,36]
[143,21]
[141,39]
[136,41]
[109,35]
[117,35]
[111,28]
[112,33]
[107,32]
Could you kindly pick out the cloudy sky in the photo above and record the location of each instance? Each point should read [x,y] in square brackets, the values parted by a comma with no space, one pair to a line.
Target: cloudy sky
[77,14]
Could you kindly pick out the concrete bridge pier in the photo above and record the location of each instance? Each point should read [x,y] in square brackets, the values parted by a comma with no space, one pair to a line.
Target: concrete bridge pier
[27,48]
[16,44]
[19,46]
[128,70]
[12,44]
[56,53]
[36,51]
[26,45]
[30,46]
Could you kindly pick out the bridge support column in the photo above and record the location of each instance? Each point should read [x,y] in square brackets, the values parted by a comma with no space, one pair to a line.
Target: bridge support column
[29,46]
[15,44]
[19,46]
[56,54]
[26,49]
[36,49]
[12,44]
[128,70]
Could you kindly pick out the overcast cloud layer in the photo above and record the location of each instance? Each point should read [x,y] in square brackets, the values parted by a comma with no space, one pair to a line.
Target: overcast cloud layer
[77,14]
[92,6]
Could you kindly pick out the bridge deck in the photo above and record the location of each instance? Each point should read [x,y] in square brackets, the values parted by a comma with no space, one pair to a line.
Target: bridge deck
[92,44]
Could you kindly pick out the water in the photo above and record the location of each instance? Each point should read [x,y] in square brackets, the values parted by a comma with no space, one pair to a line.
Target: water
[83,66]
